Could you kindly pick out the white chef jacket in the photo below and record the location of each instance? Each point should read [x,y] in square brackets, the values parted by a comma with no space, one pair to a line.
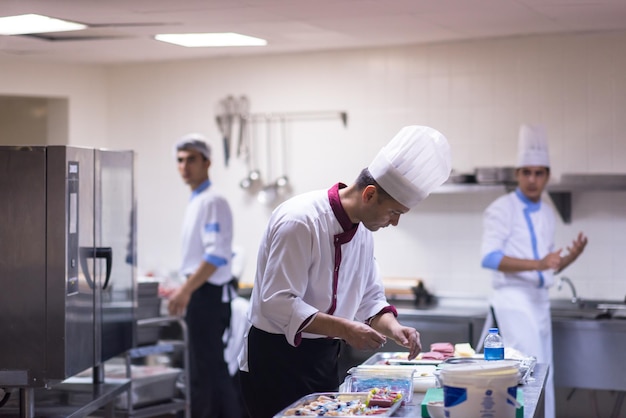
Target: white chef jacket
[207,234]
[518,227]
[295,265]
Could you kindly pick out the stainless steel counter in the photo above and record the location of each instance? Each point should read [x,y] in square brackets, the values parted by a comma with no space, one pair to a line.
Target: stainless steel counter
[67,400]
[533,397]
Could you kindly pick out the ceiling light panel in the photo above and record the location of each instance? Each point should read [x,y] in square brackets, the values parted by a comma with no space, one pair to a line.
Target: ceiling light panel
[33,23]
[210,39]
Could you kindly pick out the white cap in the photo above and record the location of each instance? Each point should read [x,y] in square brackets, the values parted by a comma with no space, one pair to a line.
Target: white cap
[413,164]
[194,141]
[532,147]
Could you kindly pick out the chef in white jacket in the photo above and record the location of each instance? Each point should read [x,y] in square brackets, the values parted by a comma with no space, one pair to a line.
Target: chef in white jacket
[317,281]
[518,245]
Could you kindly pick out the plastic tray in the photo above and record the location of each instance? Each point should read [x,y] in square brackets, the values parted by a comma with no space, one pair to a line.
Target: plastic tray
[364,378]
[526,366]
[397,358]
[360,397]
[424,377]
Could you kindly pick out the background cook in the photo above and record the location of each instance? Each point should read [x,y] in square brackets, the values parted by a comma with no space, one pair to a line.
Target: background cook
[518,245]
[317,279]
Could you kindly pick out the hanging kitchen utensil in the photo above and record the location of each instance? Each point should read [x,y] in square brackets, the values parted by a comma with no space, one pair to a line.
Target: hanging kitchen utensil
[225,117]
[267,194]
[249,155]
[283,181]
[243,114]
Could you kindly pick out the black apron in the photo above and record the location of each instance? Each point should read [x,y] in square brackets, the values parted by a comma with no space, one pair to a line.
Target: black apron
[280,373]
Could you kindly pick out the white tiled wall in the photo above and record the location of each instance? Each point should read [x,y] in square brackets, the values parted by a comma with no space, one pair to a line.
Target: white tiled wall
[477,93]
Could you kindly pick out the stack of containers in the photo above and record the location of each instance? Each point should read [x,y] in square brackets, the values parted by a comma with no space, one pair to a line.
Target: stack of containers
[148,306]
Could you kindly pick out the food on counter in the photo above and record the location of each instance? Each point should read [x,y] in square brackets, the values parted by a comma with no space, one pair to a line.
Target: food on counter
[432,355]
[463,350]
[447,349]
[335,405]
[383,398]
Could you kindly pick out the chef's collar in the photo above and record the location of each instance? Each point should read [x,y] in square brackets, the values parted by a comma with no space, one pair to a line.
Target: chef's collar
[337,207]
[532,206]
[202,187]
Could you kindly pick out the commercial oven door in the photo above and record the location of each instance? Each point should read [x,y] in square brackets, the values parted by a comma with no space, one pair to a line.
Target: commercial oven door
[46,304]
[115,240]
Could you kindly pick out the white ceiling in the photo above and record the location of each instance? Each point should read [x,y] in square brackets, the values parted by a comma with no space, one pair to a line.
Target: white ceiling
[121,30]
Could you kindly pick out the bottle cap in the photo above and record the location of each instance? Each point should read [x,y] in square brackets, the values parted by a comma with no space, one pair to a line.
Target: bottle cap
[493,330]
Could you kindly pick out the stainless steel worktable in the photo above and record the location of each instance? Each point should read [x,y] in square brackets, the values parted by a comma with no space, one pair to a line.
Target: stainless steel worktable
[533,397]
[69,400]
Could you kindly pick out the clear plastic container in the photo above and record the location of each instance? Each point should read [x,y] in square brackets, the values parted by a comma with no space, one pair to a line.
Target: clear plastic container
[494,346]
[363,379]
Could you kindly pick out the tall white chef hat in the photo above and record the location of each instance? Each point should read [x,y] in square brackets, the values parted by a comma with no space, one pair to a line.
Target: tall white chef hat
[532,147]
[194,141]
[413,164]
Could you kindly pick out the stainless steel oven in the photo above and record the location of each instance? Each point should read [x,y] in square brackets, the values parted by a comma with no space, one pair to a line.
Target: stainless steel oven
[67,261]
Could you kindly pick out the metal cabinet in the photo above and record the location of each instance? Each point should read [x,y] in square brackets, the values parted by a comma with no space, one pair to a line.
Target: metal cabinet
[589,354]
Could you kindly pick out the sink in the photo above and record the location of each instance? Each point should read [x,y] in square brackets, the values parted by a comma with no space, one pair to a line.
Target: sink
[587,308]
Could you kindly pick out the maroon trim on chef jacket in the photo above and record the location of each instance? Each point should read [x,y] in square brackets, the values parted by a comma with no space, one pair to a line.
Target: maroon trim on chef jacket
[384,310]
[339,239]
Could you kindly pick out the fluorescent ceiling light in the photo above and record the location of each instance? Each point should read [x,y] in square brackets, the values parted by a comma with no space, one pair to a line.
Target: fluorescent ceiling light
[210,39]
[32,23]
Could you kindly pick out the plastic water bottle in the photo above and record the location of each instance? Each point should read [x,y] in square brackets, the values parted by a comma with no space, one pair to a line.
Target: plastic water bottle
[494,346]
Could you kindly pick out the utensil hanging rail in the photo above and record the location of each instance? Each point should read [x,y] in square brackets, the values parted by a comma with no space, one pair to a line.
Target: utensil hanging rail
[263,117]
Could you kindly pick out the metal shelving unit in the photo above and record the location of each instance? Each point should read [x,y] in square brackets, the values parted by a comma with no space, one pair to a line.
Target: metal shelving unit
[162,347]
[560,193]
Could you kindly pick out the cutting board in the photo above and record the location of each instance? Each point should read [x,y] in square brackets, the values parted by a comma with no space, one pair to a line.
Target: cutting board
[436,394]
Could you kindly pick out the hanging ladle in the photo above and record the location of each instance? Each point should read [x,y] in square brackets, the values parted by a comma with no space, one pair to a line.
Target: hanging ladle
[267,194]
[247,148]
[283,181]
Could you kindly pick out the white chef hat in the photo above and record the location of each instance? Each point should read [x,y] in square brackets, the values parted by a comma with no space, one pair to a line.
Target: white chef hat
[194,141]
[532,147]
[413,164]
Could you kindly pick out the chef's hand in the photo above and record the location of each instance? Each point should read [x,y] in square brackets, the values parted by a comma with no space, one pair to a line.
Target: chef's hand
[408,337]
[578,245]
[178,301]
[552,261]
[363,337]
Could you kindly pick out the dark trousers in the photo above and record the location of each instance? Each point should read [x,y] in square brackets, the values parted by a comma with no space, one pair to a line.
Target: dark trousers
[280,374]
[212,389]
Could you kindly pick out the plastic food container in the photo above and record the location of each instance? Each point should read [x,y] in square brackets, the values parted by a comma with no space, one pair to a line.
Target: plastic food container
[363,379]
[486,389]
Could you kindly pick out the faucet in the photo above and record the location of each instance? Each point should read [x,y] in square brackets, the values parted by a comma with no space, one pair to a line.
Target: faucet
[575,298]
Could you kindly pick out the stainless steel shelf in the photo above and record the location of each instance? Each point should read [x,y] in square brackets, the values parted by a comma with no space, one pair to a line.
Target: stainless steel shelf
[560,193]
[450,188]
[173,405]
[590,182]
[170,407]
[71,400]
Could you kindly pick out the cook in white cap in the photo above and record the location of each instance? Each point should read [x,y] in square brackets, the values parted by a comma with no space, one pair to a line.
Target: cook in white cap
[518,247]
[204,298]
[317,281]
